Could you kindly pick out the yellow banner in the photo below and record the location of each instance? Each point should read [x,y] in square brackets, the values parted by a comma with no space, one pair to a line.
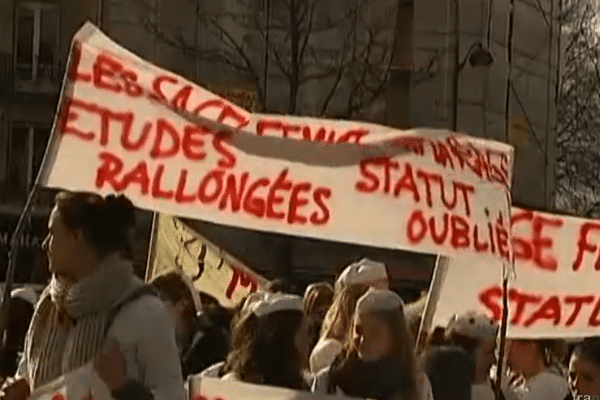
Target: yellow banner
[176,246]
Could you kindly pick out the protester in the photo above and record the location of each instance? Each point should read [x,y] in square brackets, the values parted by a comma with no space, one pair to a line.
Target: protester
[275,352]
[318,297]
[201,341]
[476,334]
[364,272]
[378,361]
[208,300]
[241,330]
[584,369]
[22,303]
[95,309]
[176,294]
[210,343]
[450,370]
[350,285]
[278,286]
[538,363]
[414,311]
[337,327]
[317,300]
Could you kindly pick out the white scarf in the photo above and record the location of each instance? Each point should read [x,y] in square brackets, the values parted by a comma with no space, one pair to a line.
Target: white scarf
[69,322]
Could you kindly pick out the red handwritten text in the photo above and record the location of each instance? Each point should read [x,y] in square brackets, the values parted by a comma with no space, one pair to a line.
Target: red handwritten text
[529,309]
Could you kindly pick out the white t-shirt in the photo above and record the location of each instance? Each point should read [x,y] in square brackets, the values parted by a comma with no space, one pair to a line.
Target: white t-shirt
[322,356]
[484,391]
[546,385]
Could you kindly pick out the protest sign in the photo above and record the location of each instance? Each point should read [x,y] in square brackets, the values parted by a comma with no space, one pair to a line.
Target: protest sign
[81,384]
[173,147]
[213,389]
[555,291]
[176,246]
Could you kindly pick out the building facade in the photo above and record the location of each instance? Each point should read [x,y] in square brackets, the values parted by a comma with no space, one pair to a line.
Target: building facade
[428,44]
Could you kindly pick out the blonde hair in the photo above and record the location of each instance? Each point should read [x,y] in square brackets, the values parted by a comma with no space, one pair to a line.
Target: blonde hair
[317,296]
[339,318]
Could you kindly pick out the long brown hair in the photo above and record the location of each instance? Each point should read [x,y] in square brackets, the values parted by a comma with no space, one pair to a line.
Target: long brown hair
[317,296]
[264,352]
[173,287]
[402,353]
[338,320]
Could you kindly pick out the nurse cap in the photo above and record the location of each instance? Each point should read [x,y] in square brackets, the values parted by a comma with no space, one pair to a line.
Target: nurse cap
[251,299]
[26,293]
[472,325]
[366,272]
[274,302]
[378,300]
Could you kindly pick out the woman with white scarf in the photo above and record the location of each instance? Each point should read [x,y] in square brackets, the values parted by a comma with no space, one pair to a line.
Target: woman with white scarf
[94,299]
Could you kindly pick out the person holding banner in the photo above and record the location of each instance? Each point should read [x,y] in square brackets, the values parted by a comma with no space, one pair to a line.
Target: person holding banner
[95,309]
[537,362]
[476,334]
[584,369]
[378,361]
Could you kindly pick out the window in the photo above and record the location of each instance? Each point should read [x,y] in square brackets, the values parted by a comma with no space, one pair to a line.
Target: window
[26,148]
[37,42]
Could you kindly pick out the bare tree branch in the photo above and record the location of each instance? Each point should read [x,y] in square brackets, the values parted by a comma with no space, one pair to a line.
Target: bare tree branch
[354,76]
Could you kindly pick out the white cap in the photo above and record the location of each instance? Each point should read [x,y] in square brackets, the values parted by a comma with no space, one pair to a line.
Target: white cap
[26,293]
[378,300]
[273,302]
[251,299]
[366,272]
[473,325]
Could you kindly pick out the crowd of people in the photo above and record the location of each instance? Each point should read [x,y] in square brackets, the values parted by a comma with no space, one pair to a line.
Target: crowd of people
[355,337]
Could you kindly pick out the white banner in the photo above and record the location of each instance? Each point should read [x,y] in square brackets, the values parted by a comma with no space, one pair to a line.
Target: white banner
[218,389]
[556,292]
[82,384]
[128,126]
[176,246]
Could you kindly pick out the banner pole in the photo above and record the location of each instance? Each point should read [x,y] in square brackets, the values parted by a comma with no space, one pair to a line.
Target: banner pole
[498,394]
[439,275]
[151,247]
[12,262]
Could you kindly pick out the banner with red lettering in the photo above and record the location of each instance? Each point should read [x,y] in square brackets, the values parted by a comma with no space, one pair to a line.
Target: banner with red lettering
[128,126]
[81,384]
[556,290]
[219,389]
[176,246]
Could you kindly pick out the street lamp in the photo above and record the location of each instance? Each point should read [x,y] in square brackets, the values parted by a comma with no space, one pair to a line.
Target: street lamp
[477,56]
